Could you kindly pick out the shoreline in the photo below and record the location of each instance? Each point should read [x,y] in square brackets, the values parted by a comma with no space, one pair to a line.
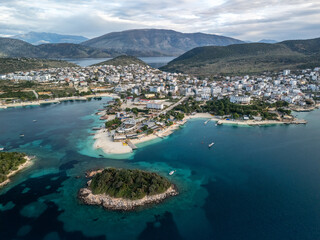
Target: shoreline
[104,142]
[121,204]
[25,165]
[56,100]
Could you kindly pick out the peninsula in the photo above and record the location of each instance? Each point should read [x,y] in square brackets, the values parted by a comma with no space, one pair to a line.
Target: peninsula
[10,164]
[125,189]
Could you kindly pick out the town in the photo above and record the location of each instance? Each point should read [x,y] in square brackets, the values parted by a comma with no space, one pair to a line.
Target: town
[148,103]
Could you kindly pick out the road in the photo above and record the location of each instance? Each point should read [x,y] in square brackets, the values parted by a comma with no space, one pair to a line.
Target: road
[172,106]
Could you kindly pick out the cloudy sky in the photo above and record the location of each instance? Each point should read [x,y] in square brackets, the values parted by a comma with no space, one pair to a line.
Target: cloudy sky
[243,19]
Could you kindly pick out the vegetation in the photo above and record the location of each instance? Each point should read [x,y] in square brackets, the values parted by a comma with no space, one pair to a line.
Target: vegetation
[24,96]
[156,42]
[123,60]
[129,184]
[113,124]
[9,161]
[16,48]
[247,58]
[225,107]
[8,65]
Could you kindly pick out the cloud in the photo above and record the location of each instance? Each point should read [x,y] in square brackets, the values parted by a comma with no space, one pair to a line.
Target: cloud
[243,19]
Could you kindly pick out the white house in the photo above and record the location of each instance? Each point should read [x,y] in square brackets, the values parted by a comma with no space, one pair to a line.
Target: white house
[240,99]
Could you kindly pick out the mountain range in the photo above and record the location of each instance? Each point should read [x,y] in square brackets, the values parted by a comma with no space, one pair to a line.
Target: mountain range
[248,58]
[37,38]
[142,43]
[16,48]
[157,42]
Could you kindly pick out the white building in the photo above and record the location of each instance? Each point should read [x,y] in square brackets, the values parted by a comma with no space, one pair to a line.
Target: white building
[154,89]
[153,105]
[240,99]
[286,72]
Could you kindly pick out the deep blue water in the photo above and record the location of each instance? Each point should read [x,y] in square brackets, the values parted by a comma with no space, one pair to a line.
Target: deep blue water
[154,62]
[255,183]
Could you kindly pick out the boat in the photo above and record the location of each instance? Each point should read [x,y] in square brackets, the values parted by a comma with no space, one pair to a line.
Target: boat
[1,149]
[21,135]
[211,144]
[172,172]
[205,123]
[34,120]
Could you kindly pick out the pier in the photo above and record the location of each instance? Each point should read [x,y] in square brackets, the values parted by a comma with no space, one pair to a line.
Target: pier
[299,121]
[134,147]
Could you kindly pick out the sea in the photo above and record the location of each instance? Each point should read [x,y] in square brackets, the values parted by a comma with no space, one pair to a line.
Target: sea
[155,62]
[254,183]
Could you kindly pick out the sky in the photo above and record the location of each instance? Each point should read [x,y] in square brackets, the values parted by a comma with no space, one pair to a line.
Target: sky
[249,20]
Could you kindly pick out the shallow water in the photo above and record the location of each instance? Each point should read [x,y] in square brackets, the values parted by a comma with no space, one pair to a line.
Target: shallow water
[255,183]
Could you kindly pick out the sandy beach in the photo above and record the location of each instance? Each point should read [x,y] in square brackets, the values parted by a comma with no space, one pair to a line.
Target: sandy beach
[28,163]
[107,145]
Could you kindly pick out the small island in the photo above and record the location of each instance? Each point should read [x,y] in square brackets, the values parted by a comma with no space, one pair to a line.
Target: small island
[125,189]
[10,164]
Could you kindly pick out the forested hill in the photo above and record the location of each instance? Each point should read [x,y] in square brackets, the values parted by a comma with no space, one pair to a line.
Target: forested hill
[248,58]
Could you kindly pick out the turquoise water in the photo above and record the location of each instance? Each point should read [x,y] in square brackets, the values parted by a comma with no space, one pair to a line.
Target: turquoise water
[255,183]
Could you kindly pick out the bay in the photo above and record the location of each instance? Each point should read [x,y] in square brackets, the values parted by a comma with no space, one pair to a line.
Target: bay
[255,183]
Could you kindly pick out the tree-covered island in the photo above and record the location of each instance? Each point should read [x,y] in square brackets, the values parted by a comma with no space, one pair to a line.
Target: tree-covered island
[126,189]
[10,163]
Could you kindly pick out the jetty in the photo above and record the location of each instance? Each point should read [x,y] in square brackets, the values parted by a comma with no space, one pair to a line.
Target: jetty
[299,121]
[134,147]
[205,123]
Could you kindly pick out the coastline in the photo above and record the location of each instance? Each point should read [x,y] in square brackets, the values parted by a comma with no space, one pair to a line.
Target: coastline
[111,203]
[25,165]
[56,100]
[104,142]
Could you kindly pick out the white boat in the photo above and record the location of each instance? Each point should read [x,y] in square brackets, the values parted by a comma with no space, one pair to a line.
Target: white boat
[1,149]
[172,172]
[34,120]
[211,144]
[205,123]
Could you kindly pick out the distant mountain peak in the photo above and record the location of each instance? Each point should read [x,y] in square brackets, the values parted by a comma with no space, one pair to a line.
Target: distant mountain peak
[37,38]
[157,41]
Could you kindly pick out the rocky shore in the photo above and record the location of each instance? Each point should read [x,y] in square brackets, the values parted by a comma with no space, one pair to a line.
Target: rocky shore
[87,197]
